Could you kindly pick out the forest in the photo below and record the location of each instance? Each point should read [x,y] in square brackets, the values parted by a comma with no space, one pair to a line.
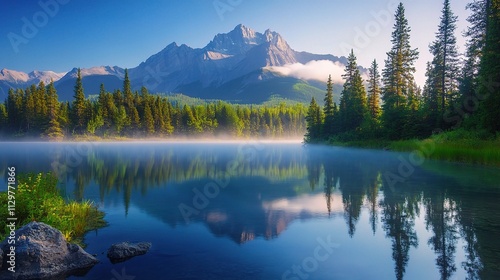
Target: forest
[460,92]
[36,112]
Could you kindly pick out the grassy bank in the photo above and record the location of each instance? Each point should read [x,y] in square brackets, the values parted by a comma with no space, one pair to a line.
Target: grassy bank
[37,198]
[477,151]
[477,147]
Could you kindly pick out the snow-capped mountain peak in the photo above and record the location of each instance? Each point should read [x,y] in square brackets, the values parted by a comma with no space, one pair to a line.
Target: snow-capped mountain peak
[13,76]
[34,77]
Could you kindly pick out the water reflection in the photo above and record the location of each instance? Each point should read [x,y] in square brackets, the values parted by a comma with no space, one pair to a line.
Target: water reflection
[264,188]
[452,211]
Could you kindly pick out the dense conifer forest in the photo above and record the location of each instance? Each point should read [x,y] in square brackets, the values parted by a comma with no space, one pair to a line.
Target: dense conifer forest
[461,91]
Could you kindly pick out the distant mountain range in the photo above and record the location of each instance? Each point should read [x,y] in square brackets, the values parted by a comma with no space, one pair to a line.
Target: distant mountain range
[240,66]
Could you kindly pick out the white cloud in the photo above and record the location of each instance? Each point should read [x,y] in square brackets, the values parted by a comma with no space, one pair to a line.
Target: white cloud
[313,70]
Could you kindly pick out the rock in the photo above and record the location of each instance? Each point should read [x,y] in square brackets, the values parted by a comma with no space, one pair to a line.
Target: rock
[123,251]
[43,253]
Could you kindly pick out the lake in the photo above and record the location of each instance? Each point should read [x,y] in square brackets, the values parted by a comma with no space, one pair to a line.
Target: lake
[277,210]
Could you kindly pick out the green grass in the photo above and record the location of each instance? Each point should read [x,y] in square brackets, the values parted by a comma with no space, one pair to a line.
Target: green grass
[476,147]
[37,198]
[368,144]
[458,146]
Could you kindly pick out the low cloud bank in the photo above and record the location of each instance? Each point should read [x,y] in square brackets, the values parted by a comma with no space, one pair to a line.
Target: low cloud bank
[313,70]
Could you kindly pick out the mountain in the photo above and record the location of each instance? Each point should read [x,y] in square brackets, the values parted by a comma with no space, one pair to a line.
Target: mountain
[92,78]
[239,66]
[15,79]
[236,66]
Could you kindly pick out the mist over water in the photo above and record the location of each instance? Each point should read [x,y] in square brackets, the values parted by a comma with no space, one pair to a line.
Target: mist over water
[260,210]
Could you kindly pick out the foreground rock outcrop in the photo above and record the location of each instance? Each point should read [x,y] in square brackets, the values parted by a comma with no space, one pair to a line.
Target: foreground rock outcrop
[43,253]
[123,251]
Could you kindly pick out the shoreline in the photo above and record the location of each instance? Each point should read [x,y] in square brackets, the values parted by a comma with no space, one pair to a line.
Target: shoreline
[180,139]
[478,152]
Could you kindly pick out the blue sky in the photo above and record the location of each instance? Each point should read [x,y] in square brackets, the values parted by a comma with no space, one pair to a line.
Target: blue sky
[77,33]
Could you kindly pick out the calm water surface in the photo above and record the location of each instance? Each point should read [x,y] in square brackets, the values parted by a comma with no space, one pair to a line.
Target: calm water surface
[277,210]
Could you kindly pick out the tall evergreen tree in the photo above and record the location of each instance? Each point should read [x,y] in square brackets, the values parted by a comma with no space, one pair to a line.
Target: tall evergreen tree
[101,103]
[397,75]
[446,60]
[29,109]
[4,119]
[476,34]
[79,118]
[41,110]
[130,105]
[329,110]
[149,120]
[353,103]
[489,73]
[15,110]
[53,130]
[314,122]
[374,90]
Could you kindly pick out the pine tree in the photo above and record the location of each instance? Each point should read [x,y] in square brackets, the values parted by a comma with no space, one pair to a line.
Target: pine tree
[397,75]
[166,124]
[374,90]
[489,73]
[148,120]
[4,119]
[353,103]
[53,130]
[29,110]
[476,34]
[329,110]
[52,102]
[15,110]
[314,122]
[445,62]
[78,108]
[101,103]
[120,118]
[41,109]
[130,106]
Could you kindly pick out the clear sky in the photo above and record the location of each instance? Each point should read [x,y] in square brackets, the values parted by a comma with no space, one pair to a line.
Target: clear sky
[61,34]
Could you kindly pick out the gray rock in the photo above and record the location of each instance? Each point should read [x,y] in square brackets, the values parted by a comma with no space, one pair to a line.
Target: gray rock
[125,250]
[43,253]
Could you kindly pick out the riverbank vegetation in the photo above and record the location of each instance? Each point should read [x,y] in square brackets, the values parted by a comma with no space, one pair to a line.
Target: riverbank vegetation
[457,109]
[37,198]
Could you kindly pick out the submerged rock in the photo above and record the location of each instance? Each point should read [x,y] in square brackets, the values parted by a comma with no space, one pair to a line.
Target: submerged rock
[123,251]
[42,252]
